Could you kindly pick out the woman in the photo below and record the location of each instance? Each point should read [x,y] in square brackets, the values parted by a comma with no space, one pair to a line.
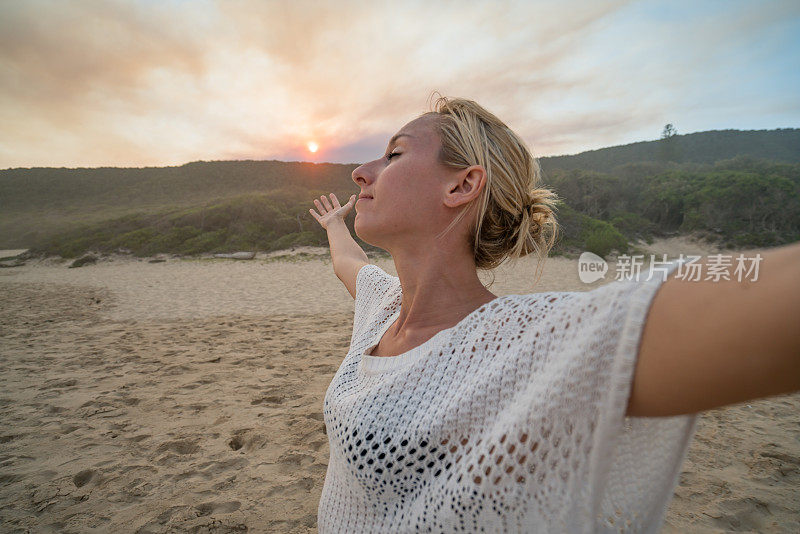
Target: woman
[458,410]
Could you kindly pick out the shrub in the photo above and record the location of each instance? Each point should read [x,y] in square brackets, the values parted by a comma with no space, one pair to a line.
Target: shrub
[633,225]
[601,238]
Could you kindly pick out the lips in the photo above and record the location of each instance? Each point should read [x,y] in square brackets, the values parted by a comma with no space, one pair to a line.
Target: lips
[363,196]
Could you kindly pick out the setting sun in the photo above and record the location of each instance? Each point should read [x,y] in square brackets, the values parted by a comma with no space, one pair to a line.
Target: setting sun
[312,146]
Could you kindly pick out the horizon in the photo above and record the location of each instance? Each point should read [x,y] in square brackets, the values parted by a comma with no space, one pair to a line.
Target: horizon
[357,163]
[285,81]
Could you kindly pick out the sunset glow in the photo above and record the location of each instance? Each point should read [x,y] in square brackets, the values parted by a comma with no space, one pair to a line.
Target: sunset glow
[194,81]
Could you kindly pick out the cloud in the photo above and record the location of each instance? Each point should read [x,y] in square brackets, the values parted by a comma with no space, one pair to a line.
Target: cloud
[150,83]
[62,54]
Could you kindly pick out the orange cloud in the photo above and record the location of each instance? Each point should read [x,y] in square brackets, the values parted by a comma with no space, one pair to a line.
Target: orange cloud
[117,83]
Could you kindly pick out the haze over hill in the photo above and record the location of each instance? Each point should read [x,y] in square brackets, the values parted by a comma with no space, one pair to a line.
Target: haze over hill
[782,145]
[219,205]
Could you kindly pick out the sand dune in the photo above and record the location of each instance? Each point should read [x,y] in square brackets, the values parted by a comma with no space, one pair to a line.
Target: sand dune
[186,396]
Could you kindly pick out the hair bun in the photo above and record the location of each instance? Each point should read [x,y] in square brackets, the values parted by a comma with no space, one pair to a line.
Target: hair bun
[537,209]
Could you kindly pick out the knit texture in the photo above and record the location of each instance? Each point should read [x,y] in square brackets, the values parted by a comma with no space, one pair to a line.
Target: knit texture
[513,420]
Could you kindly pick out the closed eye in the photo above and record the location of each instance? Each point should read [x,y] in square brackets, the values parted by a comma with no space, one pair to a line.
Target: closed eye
[393,154]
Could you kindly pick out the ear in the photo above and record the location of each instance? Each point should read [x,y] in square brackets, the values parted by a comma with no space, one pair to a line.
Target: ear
[465,186]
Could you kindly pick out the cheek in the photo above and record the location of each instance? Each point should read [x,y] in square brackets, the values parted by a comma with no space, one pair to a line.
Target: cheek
[406,193]
[416,209]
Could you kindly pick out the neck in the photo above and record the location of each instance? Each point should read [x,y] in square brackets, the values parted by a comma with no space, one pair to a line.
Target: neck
[439,289]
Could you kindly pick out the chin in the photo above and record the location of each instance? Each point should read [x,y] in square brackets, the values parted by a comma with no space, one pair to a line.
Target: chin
[364,234]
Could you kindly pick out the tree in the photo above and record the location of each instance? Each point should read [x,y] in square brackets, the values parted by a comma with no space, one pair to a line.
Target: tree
[669,131]
[668,151]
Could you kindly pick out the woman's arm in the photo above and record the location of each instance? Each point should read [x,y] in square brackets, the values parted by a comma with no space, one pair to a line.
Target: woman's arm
[707,344]
[347,257]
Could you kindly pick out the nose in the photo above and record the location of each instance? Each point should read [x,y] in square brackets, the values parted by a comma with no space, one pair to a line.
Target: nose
[362,175]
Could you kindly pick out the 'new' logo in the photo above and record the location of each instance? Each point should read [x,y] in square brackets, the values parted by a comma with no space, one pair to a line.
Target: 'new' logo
[591,267]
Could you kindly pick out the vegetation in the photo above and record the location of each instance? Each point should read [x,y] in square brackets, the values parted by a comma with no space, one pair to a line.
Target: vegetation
[611,199]
[40,202]
[581,232]
[264,222]
[781,145]
[742,201]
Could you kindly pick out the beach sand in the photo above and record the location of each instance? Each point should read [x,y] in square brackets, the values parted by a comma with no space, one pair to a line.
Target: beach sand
[186,396]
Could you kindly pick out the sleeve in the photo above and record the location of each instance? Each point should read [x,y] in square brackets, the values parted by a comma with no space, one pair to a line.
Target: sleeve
[636,461]
[373,285]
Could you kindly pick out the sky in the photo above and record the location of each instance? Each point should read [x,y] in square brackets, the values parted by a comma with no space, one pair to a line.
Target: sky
[157,83]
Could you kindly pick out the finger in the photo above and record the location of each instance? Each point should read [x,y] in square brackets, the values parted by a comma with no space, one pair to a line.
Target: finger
[314,214]
[336,204]
[321,209]
[352,199]
[326,202]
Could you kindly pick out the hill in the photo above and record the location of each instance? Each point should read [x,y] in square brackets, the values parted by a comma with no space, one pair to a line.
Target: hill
[36,202]
[781,145]
[695,182]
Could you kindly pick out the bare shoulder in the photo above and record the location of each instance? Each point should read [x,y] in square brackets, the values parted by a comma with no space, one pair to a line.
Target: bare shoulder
[347,269]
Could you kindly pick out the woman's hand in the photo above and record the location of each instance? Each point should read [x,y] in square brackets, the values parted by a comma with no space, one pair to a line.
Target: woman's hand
[328,213]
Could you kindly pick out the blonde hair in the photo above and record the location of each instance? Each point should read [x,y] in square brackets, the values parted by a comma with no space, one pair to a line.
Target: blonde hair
[514,216]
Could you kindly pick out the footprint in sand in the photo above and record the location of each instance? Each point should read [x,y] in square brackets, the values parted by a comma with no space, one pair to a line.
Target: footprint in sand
[741,514]
[236,443]
[60,383]
[247,440]
[273,400]
[325,368]
[208,508]
[296,459]
[6,438]
[304,484]
[83,478]
[317,445]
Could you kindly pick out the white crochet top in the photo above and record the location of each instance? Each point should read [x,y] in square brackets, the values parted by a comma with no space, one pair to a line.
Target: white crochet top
[513,420]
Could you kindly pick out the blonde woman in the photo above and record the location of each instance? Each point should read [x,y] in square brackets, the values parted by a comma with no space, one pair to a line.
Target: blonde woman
[456,410]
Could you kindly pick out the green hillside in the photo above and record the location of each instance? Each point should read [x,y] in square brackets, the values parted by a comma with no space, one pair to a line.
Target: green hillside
[740,202]
[38,202]
[612,197]
[781,145]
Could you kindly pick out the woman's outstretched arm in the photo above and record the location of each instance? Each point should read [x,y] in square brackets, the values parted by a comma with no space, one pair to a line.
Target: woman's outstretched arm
[708,344]
[347,257]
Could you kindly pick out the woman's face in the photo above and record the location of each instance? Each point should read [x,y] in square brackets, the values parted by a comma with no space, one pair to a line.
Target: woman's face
[408,186]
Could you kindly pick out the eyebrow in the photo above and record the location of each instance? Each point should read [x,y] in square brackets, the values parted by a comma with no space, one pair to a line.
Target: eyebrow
[398,136]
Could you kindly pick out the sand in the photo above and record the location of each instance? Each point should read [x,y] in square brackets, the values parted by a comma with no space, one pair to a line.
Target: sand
[186,396]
